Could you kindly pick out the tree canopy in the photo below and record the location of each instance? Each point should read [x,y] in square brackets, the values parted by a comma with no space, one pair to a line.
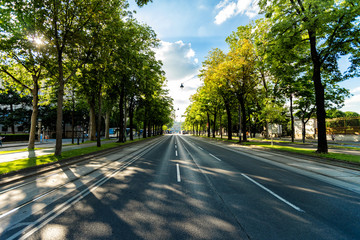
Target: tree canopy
[289,56]
[65,54]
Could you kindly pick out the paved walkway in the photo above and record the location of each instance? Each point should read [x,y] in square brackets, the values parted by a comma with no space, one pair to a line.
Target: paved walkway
[48,148]
[333,148]
[8,146]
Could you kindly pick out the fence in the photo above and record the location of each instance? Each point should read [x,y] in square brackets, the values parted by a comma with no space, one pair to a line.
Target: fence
[343,126]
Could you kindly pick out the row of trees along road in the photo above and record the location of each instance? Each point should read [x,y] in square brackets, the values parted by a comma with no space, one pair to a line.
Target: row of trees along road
[290,55]
[83,51]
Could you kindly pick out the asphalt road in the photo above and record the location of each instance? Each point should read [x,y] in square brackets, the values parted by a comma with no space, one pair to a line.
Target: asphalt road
[181,188]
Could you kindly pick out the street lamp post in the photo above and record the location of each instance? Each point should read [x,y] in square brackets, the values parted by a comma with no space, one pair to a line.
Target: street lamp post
[39,130]
[83,128]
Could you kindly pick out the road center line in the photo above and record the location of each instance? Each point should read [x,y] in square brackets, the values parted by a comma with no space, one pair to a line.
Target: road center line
[272,193]
[175,146]
[178,172]
[200,148]
[176,154]
[215,157]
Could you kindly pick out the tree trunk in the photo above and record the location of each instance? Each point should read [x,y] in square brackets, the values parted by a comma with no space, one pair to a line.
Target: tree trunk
[303,132]
[59,112]
[13,123]
[121,109]
[220,125]
[149,128]
[145,123]
[107,124]
[239,133]
[319,95]
[244,122]
[214,124]
[292,119]
[98,139]
[92,123]
[34,114]
[228,112]
[131,117]
[72,121]
[208,124]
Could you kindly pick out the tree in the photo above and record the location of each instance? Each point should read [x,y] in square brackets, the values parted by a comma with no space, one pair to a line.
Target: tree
[241,67]
[273,113]
[330,29]
[208,103]
[14,109]
[349,114]
[22,51]
[213,76]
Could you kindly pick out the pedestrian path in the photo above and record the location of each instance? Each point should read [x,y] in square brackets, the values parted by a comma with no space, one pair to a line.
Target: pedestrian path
[49,148]
[8,146]
[332,148]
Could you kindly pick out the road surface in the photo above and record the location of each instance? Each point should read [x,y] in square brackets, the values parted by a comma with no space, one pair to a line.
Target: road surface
[178,187]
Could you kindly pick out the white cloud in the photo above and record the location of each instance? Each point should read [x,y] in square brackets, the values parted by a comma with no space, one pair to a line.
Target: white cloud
[221,4]
[243,5]
[226,12]
[181,66]
[178,59]
[353,103]
[231,8]
[355,90]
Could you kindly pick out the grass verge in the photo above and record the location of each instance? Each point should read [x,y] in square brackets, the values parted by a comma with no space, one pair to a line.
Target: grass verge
[19,164]
[297,149]
[18,150]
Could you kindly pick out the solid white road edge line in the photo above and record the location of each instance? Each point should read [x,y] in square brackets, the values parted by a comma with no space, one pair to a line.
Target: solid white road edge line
[215,157]
[178,172]
[272,193]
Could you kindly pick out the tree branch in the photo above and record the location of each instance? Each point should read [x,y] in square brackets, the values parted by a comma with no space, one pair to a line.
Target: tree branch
[15,79]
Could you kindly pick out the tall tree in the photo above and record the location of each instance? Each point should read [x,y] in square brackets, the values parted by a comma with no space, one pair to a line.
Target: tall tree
[329,27]
[14,109]
[212,74]
[22,50]
[241,66]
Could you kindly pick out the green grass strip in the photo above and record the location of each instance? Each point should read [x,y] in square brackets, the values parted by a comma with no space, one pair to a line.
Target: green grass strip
[68,144]
[19,164]
[18,150]
[297,149]
[310,152]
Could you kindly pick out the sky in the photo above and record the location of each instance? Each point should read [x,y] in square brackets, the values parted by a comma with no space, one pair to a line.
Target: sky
[189,29]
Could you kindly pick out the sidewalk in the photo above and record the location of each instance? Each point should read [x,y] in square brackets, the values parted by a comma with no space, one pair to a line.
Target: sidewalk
[8,146]
[49,149]
[332,147]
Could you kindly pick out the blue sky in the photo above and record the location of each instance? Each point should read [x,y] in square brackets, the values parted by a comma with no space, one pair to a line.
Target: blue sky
[189,29]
